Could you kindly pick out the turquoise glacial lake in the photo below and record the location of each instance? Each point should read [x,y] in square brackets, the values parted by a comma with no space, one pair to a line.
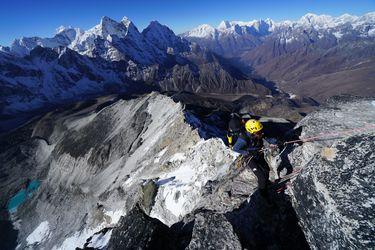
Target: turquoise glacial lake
[22,196]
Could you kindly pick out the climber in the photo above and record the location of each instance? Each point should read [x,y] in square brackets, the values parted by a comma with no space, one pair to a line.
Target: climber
[250,144]
[235,128]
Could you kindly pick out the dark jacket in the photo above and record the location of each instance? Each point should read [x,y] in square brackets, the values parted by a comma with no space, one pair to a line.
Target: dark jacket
[248,144]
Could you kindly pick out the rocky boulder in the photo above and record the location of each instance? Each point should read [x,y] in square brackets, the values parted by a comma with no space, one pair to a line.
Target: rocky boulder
[138,231]
[213,231]
[334,195]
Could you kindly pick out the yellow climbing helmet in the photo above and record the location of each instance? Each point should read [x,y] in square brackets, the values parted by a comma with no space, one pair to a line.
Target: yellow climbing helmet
[253,126]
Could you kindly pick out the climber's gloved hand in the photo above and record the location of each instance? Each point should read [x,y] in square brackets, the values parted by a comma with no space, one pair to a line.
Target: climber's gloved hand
[274,146]
[253,151]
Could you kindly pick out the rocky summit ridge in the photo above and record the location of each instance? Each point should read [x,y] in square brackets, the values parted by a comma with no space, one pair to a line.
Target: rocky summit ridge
[138,174]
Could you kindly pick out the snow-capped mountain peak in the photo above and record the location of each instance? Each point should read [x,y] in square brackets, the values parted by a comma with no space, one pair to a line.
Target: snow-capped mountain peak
[224,25]
[309,17]
[158,30]
[129,25]
[317,21]
[68,33]
[253,27]
[346,18]
[126,21]
[264,27]
[63,37]
[203,30]
[105,20]
[4,49]
[369,16]
[158,26]
[164,39]
[62,29]
[236,36]
[109,26]
[105,40]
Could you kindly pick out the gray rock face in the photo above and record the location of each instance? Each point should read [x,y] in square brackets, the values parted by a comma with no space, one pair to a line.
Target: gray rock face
[334,194]
[97,159]
[263,225]
[101,158]
[213,231]
[138,231]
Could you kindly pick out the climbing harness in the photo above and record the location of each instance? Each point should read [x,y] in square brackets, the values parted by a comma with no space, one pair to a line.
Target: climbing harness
[239,162]
[242,161]
[247,160]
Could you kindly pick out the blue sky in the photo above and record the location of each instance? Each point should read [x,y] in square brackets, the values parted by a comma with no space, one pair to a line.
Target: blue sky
[41,17]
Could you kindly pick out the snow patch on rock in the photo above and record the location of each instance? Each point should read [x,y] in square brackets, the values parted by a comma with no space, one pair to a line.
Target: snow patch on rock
[178,157]
[79,238]
[160,154]
[207,160]
[99,241]
[40,234]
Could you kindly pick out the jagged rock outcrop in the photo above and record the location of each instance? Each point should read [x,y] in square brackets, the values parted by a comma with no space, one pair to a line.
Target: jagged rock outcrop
[138,231]
[213,231]
[334,194]
[263,225]
[129,168]
[94,158]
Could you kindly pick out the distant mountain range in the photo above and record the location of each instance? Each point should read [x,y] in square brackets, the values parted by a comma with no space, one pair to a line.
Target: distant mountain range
[318,55]
[111,57]
[232,38]
[315,56]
